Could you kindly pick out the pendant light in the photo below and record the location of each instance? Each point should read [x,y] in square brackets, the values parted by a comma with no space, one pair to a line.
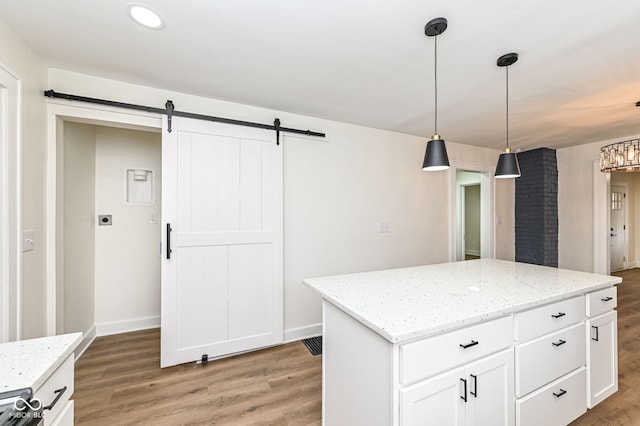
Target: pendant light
[508,166]
[435,157]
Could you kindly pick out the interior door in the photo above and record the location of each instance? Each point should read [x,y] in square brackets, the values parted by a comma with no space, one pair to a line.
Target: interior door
[618,231]
[222,242]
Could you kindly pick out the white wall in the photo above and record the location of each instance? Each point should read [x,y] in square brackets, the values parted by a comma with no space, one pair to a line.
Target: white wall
[127,254]
[75,309]
[20,60]
[338,191]
[575,204]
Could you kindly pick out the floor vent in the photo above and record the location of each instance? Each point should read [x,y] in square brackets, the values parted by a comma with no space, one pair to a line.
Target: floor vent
[314,344]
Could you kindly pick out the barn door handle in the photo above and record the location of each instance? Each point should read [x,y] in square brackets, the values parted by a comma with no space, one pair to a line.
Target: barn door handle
[169,240]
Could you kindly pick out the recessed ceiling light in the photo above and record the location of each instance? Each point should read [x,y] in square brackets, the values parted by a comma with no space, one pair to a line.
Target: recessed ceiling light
[145,16]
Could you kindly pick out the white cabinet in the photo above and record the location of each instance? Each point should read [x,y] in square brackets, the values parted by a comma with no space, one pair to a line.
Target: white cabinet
[479,393]
[55,395]
[602,357]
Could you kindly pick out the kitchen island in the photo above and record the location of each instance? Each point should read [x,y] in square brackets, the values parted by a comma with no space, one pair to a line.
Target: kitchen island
[476,342]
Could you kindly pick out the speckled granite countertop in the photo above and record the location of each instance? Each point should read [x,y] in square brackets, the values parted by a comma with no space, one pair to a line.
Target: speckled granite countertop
[408,303]
[28,363]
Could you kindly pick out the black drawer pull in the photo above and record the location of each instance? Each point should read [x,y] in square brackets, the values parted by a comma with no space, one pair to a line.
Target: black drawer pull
[169,240]
[468,345]
[560,343]
[464,397]
[559,394]
[558,315]
[57,398]
[596,339]
[606,299]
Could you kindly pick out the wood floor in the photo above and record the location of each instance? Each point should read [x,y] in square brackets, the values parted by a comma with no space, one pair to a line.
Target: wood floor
[119,382]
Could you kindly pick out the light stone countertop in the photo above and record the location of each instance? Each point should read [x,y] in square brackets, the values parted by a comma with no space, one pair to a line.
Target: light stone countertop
[28,363]
[409,303]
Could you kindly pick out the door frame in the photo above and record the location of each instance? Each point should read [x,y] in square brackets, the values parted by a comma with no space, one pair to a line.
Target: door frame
[59,111]
[461,188]
[11,218]
[601,220]
[487,208]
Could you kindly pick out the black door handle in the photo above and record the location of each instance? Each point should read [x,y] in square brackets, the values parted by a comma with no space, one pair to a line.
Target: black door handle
[596,339]
[169,240]
[464,397]
[475,385]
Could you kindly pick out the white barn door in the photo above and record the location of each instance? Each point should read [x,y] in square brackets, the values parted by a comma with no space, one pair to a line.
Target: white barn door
[222,243]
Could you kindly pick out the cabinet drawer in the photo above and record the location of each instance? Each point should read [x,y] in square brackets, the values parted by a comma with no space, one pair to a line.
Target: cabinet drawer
[602,301]
[543,360]
[54,387]
[66,416]
[559,403]
[425,358]
[548,318]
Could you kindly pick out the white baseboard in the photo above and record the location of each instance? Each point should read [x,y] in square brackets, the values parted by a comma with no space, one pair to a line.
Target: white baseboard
[116,327]
[473,252]
[87,338]
[299,333]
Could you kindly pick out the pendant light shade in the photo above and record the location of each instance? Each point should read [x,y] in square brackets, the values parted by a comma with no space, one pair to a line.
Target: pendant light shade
[435,157]
[508,166]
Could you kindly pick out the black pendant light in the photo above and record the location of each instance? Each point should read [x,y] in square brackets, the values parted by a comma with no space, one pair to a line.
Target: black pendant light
[508,166]
[435,158]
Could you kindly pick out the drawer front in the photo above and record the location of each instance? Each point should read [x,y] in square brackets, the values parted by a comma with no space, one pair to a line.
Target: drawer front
[428,357]
[548,318]
[559,403]
[543,360]
[602,301]
[66,416]
[54,387]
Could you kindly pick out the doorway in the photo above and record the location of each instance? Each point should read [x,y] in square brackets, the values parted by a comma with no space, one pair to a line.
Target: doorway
[618,227]
[468,215]
[109,266]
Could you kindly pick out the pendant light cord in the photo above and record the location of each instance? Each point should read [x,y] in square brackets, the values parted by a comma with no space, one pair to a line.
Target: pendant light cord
[507,68]
[435,72]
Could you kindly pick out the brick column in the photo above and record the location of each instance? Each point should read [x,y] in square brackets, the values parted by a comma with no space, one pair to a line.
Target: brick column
[537,208]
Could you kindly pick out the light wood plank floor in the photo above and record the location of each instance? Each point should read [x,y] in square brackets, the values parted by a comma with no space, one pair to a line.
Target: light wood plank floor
[119,382]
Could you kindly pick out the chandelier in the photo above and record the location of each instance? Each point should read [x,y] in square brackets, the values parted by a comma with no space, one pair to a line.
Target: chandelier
[622,156]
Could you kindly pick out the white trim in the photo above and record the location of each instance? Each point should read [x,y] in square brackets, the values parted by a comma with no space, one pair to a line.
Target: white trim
[11,214]
[117,327]
[601,220]
[299,333]
[487,207]
[57,113]
[87,338]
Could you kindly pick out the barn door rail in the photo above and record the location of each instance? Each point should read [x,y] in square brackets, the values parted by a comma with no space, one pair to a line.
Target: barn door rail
[170,112]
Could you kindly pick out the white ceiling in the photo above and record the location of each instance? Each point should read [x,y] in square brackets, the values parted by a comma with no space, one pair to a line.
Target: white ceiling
[368,61]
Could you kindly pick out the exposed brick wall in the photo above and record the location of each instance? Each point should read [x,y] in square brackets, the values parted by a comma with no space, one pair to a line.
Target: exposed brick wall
[537,208]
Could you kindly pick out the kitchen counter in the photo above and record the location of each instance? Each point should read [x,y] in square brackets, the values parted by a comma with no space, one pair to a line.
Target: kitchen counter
[409,303]
[28,363]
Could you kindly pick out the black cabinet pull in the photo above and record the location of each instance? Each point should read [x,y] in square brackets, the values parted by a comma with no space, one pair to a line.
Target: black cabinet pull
[559,394]
[558,315]
[169,240]
[596,339]
[475,385]
[468,345]
[464,397]
[606,299]
[560,343]
[57,398]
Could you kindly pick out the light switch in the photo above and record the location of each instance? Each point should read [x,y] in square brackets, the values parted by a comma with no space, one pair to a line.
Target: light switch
[28,240]
[384,227]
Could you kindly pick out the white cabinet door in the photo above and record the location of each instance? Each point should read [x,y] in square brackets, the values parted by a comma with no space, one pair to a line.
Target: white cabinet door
[436,401]
[602,357]
[476,394]
[491,400]
[222,267]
